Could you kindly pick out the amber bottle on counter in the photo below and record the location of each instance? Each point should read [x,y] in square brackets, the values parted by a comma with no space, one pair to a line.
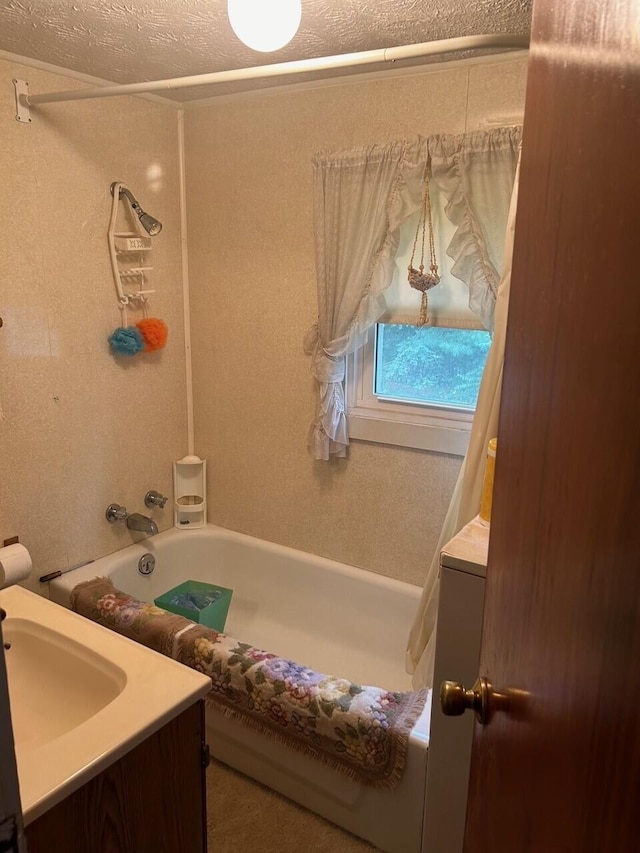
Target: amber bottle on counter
[487,486]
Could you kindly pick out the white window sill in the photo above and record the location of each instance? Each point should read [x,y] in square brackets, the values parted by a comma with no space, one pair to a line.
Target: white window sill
[370,426]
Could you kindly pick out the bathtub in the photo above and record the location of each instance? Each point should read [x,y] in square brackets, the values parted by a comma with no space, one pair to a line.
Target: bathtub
[332,617]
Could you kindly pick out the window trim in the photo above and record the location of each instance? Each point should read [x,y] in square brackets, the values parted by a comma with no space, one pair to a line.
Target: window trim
[416,425]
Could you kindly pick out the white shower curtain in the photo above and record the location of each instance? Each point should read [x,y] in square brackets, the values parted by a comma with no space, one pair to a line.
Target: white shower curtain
[465,502]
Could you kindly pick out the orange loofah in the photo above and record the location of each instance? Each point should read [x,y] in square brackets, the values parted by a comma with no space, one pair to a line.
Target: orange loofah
[154,333]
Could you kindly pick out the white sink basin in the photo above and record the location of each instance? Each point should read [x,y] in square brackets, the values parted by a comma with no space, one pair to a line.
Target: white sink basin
[55,683]
[81,696]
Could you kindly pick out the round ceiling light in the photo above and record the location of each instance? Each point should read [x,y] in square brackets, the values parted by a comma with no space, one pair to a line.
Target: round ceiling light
[265,25]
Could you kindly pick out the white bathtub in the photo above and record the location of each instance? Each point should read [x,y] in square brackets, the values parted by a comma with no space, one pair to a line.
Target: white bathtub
[334,618]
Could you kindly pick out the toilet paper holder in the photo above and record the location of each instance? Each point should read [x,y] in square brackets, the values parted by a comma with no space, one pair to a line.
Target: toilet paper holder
[15,564]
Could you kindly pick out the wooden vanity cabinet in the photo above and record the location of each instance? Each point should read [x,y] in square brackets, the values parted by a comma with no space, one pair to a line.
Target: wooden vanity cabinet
[152,800]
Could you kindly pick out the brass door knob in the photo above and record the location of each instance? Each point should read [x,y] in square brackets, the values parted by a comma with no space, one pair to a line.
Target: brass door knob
[455,699]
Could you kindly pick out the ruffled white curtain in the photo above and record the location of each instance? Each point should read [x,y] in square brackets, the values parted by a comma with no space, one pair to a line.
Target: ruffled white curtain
[465,503]
[361,198]
[358,209]
[475,172]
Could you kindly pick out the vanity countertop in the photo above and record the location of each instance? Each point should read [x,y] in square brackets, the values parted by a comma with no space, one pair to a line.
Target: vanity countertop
[467,551]
[142,691]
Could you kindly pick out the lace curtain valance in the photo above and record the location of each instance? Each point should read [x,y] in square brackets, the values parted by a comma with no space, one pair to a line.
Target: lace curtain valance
[361,198]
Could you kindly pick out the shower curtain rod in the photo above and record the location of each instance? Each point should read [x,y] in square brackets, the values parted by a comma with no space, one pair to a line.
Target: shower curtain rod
[323,63]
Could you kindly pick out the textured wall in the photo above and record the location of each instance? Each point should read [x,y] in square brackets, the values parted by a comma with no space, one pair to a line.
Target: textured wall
[81,428]
[253,298]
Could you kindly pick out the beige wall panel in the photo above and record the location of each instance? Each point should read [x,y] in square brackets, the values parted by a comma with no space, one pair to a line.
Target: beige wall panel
[82,428]
[508,80]
[250,228]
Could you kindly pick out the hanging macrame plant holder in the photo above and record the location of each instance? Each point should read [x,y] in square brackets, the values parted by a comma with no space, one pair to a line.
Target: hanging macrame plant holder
[418,278]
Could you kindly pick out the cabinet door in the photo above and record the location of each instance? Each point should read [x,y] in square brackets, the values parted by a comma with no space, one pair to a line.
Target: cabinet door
[11,833]
[150,801]
[457,653]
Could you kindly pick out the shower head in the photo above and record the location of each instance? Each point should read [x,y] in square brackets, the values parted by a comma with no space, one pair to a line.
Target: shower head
[150,225]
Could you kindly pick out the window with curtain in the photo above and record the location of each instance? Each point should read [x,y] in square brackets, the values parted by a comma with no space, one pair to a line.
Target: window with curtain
[406,386]
[418,386]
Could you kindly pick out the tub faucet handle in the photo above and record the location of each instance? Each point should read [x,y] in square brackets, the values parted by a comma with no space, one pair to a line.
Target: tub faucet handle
[115,512]
[153,498]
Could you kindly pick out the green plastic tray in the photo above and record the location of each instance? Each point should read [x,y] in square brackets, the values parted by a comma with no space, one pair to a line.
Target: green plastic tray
[192,599]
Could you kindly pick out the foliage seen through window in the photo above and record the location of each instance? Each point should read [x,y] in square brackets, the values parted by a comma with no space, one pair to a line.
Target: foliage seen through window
[435,365]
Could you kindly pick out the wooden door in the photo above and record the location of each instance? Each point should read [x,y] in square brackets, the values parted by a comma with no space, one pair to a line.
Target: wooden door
[559,770]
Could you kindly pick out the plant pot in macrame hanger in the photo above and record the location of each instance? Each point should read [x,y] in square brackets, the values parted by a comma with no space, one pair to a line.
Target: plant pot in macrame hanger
[418,278]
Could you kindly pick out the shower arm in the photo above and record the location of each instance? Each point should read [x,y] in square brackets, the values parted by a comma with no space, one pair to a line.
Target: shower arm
[122,190]
[504,41]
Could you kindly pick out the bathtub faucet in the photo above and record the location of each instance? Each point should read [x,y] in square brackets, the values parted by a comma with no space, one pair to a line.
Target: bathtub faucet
[135,521]
[153,498]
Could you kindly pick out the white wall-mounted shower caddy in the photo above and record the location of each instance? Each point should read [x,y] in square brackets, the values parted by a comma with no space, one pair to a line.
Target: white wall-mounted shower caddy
[123,248]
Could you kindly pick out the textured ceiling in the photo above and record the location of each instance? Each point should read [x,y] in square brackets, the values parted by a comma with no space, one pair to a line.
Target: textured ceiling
[137,40]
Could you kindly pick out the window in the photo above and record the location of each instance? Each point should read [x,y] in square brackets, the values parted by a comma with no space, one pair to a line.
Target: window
[435,366]
[418,387]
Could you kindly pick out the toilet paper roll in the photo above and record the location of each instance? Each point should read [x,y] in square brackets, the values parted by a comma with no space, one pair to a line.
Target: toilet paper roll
[15,565]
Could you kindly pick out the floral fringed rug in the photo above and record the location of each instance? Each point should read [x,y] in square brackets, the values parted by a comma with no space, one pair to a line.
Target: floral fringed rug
[149,625]
[359,731]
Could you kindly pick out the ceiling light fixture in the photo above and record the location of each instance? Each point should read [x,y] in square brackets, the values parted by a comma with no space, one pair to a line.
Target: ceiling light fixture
[265,25]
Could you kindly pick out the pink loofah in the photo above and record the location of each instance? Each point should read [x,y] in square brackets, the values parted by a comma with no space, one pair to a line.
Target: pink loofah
[154,333]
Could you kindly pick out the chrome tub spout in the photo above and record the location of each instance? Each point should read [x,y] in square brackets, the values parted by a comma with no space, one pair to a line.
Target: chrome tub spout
[139,522]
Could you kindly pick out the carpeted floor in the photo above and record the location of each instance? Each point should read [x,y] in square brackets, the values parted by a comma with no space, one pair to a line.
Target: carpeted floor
[244,816]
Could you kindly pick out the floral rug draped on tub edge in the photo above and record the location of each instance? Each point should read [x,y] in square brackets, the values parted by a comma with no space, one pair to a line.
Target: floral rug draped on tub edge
[357,730]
